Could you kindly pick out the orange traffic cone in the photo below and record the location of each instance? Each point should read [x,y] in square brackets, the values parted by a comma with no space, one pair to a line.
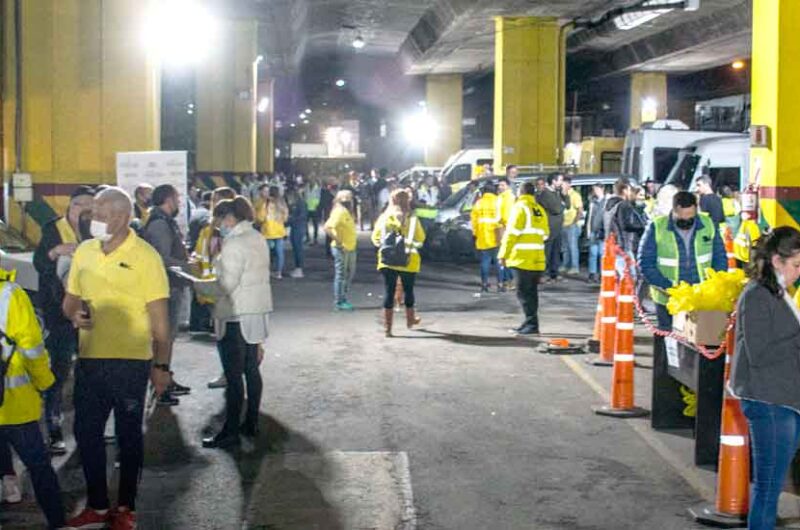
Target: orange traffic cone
[733,473]
[621,405]
[732,263]
[608,295]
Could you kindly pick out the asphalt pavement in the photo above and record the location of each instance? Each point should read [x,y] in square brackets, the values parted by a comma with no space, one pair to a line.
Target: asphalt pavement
[457,425]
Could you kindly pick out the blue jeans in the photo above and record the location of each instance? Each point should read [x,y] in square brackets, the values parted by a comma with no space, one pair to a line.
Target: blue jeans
[489,258]
[277,246]
[597,248]
[26,439]
[296,236]
[344,262]
[570,256]
[775,436]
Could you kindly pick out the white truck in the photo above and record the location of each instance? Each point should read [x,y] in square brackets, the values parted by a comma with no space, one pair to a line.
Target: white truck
[726,160]
[651,152]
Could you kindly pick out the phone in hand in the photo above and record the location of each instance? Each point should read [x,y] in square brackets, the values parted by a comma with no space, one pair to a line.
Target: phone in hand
[85,309]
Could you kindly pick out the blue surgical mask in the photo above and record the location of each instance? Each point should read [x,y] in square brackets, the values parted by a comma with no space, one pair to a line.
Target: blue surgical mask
[225,231]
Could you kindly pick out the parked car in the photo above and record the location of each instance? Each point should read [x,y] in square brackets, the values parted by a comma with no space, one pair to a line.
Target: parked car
[451,238]
[16,253]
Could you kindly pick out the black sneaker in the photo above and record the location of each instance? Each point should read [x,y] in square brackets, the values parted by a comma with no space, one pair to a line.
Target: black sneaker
[249,429]
[167,400]
[221,441]
[57,445]
[527,330]
[485,288]
[177,389]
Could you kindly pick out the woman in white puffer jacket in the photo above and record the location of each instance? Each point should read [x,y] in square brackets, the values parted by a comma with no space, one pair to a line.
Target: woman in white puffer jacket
[241,316]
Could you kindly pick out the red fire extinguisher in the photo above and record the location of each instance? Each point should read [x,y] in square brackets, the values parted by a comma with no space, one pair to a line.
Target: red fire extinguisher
[749,199]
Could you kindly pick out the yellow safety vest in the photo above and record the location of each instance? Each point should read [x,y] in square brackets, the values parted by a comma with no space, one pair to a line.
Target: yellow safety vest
[506,200]
[412,232]
[485,220]
[749,233]
[523,241]
[28,371]
[669,255]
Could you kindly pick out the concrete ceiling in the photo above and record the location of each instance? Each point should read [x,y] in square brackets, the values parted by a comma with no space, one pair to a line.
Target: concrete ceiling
[449,36]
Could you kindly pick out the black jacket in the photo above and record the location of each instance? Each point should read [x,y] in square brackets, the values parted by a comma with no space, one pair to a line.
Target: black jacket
[554,203]
[766,365]
[62,335]
[163,233]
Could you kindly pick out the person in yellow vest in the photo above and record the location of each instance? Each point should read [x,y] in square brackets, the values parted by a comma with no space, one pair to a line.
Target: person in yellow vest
[60,238]
[27,375]
[272,214]
[747,236]
[341,228]
[398,220]
[506,200]
[731,209]
[209,244]
[573,216]
[485,221]
[679,247]
[313,196]
[522,249]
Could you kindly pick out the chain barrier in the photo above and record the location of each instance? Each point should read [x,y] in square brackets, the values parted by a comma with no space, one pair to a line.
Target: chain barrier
[631,265]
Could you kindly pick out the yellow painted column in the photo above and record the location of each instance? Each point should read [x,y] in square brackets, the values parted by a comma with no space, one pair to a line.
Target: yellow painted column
[444,98]
[89,90]
[265,141]
[226,101]
[648,98]
[775,78]
[528,91]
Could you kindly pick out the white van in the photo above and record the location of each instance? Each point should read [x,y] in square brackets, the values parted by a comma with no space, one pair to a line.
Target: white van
[651,152]
[466,165]
[726,160]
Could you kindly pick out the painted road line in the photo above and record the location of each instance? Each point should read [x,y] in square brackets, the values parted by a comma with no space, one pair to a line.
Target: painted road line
[642,428]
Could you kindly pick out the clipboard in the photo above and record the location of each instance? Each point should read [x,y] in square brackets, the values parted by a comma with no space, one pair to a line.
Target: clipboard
[203,286]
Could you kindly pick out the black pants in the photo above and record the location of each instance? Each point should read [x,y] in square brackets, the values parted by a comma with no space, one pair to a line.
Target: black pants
[390,282]
[239,359]
[552,251]
[314,218]
[103,385]
[528,295]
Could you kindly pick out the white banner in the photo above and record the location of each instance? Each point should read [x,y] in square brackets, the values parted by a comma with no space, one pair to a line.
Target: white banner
[155,168]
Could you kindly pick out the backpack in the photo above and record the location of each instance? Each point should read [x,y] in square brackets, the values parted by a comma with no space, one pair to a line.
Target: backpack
[393,250]
[4,364]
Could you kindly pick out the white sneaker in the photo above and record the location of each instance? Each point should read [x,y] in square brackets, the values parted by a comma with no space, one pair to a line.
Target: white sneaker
[297,273]
[12,494]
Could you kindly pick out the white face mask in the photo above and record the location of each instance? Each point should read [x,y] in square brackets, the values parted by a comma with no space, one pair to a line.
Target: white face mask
[99,231]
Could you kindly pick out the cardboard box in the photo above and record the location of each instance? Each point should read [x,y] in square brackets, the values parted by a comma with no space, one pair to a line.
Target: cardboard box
[702,327]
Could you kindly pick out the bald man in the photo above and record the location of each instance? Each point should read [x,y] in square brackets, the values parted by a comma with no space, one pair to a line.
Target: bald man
[117,296]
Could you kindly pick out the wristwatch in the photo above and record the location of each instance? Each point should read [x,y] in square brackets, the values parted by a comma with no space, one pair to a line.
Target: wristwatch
[161,366]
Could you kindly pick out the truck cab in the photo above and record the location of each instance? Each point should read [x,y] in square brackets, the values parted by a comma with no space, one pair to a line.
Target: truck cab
[725,160]
[466,165]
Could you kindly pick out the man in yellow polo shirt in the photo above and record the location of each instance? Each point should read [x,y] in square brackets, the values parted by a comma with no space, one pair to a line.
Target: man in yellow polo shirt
[117,296]
[570,249]
[341,228]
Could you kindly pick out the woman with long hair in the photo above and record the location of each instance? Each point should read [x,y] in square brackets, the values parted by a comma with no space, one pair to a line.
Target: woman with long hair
[766,368]
[241,313]
[398,226]
[272,214]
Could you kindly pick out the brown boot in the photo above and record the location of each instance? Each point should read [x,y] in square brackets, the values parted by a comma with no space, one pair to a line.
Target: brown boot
[388,317]
[411,318]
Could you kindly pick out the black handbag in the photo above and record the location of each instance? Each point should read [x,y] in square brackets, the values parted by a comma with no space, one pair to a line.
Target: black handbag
[395,250]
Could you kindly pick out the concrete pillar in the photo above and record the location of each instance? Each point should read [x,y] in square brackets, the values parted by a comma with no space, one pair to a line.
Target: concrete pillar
[265,142]
[89,90]
[226,101]
[445,105]
[648,98]
[529,91]
[775,71]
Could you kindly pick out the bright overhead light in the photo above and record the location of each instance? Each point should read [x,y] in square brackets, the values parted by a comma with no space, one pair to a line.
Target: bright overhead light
[306,122]
[340,83]
[263,105]
[259,59]
[358,42]
[308,111]
[634,19]
[179,32]
[420,129]
[737,65]
[649,110]
[302,115]
[292,125]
